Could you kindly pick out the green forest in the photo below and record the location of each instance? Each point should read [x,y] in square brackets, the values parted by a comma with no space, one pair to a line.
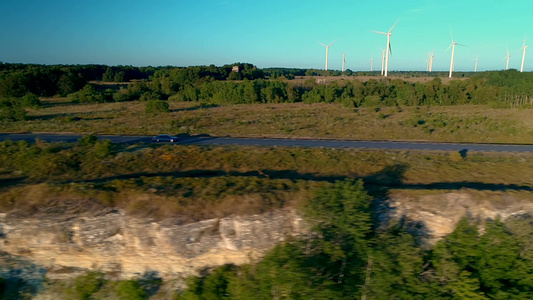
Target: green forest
[21,84]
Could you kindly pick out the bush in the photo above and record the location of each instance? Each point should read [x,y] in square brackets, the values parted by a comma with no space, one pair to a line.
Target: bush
[30,100]
[149,96]
[88,284]
[87,140]
[156,106]
[121,97]
[12,113]
[130,290]
[103,148]
[87,95]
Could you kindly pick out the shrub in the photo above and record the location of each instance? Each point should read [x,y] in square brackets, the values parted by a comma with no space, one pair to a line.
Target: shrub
[149,96]
[120,96]
[30,100]
[103,148]
[156,106]
[130,290]
[88,284]
[87,140]
[87,95]
[12,113]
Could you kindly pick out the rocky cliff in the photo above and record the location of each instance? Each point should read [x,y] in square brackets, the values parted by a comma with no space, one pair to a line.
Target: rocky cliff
[125,246]
[63,245]
[432,215]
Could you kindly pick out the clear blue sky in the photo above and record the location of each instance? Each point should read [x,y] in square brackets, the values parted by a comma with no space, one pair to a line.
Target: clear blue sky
[274,33]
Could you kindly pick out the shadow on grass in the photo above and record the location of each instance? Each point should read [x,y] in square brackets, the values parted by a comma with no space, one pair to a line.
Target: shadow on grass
[197,107]
[379,183]
[8,182]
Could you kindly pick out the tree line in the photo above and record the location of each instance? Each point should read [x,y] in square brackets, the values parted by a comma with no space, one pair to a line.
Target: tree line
[499,89]
[221,85]
[17,80]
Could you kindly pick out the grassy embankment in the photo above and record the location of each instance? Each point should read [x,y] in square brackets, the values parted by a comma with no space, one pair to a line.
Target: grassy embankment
[470,123]
[194,183]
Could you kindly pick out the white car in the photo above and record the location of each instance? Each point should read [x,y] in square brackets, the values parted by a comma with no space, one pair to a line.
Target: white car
[164,138]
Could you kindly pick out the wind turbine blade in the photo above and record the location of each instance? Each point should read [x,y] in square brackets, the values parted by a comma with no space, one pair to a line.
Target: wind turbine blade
[322,44]
[390,49]
[379,32]
[394,25]
[449,47]
[451,33]
[332,43]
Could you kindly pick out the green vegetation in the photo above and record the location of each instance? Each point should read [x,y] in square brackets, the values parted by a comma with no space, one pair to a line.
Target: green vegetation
[196,183]
[349,254]
[98,285]
[200,100]
[450,123]
[156,106]
[348,258]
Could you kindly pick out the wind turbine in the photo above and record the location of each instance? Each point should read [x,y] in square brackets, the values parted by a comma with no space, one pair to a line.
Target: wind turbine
[523,56]
[430,61]
[452,45]
[388,49]
[372,64]
[327,52]
[343,61]
[508,56]
[475,67]
[382,60]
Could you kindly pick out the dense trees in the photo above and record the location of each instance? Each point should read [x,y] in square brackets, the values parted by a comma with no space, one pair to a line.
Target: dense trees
[16,80]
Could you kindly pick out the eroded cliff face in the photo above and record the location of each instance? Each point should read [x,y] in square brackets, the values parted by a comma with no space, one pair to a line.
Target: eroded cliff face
[126,246]
[64,245]
[435,215]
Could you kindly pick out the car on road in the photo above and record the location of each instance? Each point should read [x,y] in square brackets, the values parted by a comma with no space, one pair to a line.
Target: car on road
[164,138]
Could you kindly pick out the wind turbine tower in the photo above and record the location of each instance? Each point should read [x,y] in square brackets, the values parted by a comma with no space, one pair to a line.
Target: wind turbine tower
[475,67]
[523,56]
[508,57]
[372,64]
[382,60]
[452,45]
[388,49]
[343,61]
[327,52]
[431,57]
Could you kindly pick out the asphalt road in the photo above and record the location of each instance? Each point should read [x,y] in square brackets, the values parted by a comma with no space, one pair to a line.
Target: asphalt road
[208,140]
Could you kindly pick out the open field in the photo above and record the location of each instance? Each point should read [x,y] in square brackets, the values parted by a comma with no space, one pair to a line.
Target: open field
[467,123]
[195,183]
